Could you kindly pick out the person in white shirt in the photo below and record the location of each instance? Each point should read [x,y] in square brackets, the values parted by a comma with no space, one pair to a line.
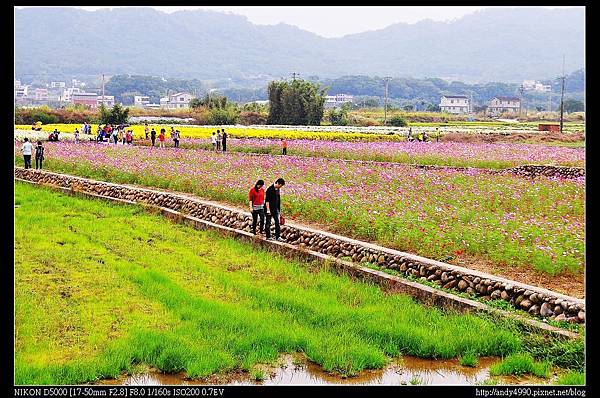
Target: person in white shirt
[213,139]
[27,150]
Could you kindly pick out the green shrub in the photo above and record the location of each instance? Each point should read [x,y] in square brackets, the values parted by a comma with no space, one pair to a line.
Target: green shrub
[218,116]
[397,121]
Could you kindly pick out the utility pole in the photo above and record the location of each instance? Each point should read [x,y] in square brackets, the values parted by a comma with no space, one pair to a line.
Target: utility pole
[387,79]
[550,102]
[521,89]
[562,93]
[103,89]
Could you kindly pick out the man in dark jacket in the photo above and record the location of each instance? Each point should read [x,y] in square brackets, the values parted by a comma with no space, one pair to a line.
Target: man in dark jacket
[273,205]
[224,144]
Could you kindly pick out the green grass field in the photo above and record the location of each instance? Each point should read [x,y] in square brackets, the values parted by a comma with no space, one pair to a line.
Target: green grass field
[100,287]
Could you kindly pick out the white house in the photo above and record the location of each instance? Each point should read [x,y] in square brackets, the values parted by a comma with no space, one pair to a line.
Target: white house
[40,94]
[333,101]
[20,91]
[107,100]
[498,105]
[58,84]
[533,85]
[176,101]
[455,104]
[141,101]
[68,93]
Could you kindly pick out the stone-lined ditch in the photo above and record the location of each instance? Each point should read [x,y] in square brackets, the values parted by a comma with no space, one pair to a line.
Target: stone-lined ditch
[535,300]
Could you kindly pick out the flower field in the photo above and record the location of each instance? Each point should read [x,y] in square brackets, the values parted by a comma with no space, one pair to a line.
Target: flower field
[240,132]
[495,156]
[441,214]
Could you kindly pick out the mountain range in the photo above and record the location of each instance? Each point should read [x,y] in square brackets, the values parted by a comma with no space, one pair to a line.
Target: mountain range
[494,44]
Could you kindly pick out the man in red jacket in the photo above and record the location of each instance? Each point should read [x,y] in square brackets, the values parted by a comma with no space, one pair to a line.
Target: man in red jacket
[257,205]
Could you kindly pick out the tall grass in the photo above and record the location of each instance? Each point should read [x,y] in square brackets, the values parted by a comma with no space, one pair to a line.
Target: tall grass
[519,364]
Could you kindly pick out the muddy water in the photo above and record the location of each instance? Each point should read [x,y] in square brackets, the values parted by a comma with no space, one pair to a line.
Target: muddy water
[291,370]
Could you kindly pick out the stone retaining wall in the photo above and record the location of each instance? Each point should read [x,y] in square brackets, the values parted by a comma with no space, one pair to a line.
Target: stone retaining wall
[537,301]
[548,171]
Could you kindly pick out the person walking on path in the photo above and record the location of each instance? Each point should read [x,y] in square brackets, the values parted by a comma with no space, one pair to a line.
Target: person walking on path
[146,129]
[27,150]
[273,205]
[284,146]
[161,138]
[175,135]
[153,136]
[76,134]
[213,140]
[39,155]
[224,140]
[256,197]
[219,139]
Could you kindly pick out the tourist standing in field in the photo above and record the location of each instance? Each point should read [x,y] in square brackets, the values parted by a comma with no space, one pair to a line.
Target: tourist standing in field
[176,136]
[273,205]
[146,129]
[224,140]
[39,155]
[219,139]
[119,136]
[161,138]
[129,137]
[213,140]
[153,136]
[76,134]
[27,149]
[284,146]
[257,205]
[100,133]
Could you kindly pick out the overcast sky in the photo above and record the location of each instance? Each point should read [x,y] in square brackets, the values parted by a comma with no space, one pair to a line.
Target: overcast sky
[336,21]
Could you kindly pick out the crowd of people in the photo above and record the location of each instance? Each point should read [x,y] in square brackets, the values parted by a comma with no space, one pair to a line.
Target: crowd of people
[219,140]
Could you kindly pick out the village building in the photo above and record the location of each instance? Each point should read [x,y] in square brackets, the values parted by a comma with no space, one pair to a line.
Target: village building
[499,105]
[455,104]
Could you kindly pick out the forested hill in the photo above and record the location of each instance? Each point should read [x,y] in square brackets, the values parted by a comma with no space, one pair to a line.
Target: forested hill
[499,44]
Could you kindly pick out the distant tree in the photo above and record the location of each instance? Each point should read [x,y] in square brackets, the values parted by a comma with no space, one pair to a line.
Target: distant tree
[339,117]
[539,108]
[298,102]
[479,108]
[408,107]
[116,115]
[572,105]
[433,108]
[397,121]
[195,103]
[218,116]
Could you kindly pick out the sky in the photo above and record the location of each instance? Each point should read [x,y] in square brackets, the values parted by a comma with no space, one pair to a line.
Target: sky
[336,21]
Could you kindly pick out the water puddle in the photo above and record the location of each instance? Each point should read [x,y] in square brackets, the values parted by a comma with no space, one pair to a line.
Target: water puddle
[295,371]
